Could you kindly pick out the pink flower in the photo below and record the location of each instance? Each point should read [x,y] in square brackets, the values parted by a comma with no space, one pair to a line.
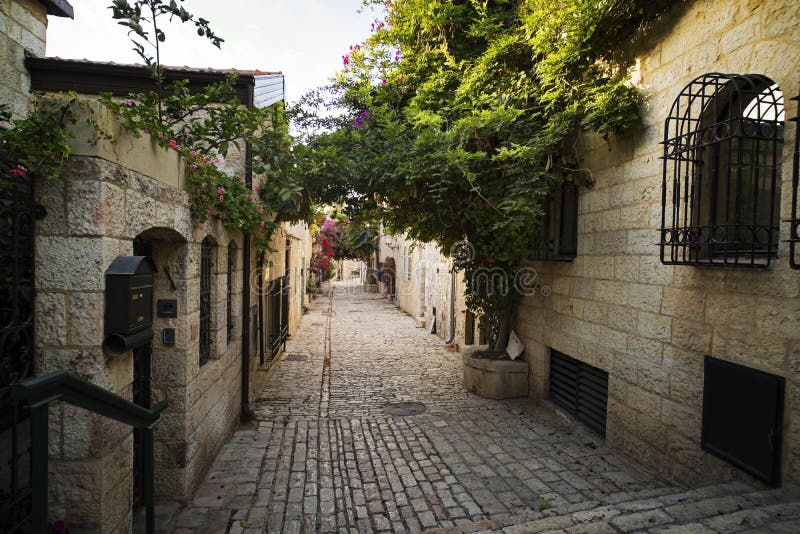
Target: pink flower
[212,211]
[222,215]
[160,135]
[217,160]
[261,209]
[18,171]
[262,224]
[345,60]
[193,153]
[221,198]
[128,102]
[221,190]
[173,143]
[251,197]
[383,81]
[256,187]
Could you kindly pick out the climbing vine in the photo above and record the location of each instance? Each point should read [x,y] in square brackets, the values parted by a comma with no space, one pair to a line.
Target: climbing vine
[460,117]
[36,145]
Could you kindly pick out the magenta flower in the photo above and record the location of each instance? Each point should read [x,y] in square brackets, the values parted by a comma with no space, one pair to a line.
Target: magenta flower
[19,171]
[128,102]
[383,81]
[345,60]
[173,143]
[217,160]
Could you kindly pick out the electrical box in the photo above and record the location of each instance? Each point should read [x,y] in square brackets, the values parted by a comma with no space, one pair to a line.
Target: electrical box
[167,307]
[128,304]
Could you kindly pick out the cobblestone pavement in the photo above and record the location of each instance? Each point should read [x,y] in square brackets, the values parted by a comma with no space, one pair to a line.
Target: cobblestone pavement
[324,455]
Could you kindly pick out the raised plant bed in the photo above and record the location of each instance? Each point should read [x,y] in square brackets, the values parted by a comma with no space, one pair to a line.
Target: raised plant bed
[494,378]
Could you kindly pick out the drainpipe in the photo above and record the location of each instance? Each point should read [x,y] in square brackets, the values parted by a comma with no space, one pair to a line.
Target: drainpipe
[452,306]
[247,411]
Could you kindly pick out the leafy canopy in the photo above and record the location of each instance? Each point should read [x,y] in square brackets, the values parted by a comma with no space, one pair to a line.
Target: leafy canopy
[461,115]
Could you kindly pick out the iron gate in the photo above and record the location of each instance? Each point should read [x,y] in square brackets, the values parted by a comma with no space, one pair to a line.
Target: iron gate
[277,314]
[17,298]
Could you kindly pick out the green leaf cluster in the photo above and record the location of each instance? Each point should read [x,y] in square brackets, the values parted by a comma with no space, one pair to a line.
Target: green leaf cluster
[460,116]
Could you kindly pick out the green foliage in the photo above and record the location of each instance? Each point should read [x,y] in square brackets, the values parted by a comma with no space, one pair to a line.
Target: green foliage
[204,124]
[37,144]
[459,117]
[138,14]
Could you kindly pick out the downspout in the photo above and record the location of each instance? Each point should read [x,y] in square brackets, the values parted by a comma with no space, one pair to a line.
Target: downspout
[247,411]
[452,305]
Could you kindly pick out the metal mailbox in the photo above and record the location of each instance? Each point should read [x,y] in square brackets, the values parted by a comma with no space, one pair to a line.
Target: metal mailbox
[129,304]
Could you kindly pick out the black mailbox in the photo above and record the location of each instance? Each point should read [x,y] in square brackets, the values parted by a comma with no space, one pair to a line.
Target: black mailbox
[129,304]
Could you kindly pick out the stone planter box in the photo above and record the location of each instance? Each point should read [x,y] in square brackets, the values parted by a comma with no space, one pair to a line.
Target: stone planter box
[495,379]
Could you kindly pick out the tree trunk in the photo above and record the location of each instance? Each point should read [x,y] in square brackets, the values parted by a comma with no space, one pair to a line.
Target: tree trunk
[504,331]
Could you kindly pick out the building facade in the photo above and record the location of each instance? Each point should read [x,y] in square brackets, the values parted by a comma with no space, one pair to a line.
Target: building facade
[680,288]
[217,328]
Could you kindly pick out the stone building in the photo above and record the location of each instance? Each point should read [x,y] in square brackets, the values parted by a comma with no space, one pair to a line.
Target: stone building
[217,327]
[641,294]
[679,297]
[24,27]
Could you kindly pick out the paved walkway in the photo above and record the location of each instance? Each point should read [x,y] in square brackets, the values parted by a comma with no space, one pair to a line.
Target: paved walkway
[324,454]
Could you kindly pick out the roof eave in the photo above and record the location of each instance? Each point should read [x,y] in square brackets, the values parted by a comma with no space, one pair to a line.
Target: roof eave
[58,8]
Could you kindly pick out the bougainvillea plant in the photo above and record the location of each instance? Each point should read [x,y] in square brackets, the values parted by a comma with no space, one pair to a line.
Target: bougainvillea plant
[460,117]
[36,145]
[204,125]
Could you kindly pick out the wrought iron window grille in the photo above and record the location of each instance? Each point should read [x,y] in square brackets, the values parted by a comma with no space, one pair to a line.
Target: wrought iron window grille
[794,221]
[721,172]
[205,300]
[558,237]
[229,293]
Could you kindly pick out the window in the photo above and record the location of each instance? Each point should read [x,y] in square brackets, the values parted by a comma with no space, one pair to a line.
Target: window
[721,173]
[794,221]
[229,291]
[205,299]
[558,237]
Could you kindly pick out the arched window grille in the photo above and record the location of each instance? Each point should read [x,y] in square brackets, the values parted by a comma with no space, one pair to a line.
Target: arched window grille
[205,300]
[794,222]
[229,291]
[721,175]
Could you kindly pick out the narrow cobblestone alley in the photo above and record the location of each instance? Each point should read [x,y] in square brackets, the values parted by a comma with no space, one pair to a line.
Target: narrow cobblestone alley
[324,453]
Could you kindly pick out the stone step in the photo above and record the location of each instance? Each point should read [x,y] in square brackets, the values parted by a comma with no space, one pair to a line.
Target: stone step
[727,507]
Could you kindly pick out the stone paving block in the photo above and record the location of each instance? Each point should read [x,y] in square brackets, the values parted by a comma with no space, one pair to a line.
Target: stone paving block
[323,455]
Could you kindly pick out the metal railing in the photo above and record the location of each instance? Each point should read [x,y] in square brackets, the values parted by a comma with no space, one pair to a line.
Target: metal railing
[67,387]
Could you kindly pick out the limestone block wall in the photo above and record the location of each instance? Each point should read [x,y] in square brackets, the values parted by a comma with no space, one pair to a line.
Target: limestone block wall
[95,210]
[648,325]
[23,25]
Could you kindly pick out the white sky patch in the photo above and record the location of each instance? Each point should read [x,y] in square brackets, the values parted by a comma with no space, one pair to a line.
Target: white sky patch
[304,39]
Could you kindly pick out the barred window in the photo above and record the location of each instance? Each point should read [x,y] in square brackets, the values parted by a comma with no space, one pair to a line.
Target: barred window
[721,173]
[794,221]
[205,299]
[229,291]
[558,237]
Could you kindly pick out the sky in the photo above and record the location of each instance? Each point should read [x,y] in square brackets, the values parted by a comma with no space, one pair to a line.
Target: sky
[304,39]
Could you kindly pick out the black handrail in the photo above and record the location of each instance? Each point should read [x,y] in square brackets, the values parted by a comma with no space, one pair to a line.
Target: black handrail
[67,387]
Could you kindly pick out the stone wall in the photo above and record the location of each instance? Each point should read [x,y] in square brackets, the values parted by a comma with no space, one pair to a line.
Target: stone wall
[617,307]
[23,25]
[94,212]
